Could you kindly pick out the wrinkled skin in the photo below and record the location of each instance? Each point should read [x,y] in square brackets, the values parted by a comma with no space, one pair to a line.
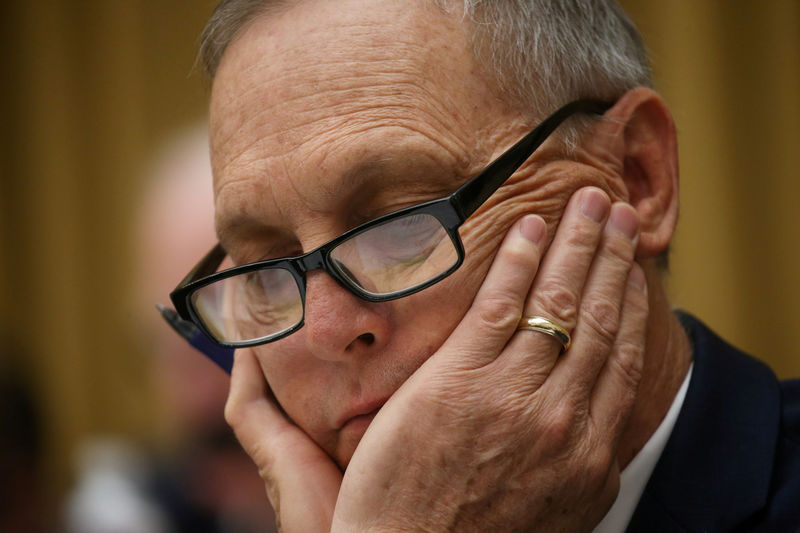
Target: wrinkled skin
[442,417]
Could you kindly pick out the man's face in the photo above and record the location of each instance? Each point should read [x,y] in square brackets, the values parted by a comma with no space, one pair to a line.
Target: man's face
[326,116]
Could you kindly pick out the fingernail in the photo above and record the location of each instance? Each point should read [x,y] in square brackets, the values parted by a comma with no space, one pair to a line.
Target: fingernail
[594,204]
[533,228]
[624,218]
[636,277]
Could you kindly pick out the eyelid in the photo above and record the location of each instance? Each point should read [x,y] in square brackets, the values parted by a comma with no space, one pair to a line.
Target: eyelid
[249,244]
[278,253]
[254,252]
[368,216]
[247,239]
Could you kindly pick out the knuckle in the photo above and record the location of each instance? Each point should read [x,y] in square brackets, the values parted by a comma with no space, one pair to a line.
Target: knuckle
[602,317]
[560,427]
[499,313]
[582,238]
[619,249]
[597,466]
[519,254]
[628,363]
[559,301]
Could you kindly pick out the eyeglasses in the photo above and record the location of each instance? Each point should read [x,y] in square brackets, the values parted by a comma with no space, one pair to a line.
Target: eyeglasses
[390,257]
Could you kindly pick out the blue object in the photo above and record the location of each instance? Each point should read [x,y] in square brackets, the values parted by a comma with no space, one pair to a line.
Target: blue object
[221,356]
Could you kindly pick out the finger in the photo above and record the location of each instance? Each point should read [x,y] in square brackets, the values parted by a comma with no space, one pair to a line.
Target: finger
[302,481]
[601,305]
[617,384]
[497,307]
[557,289]
[249,410]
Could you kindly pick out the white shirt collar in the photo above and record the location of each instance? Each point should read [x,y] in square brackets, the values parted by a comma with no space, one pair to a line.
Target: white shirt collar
[633,480]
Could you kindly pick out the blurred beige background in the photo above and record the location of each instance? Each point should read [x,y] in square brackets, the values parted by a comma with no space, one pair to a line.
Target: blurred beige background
[92,88]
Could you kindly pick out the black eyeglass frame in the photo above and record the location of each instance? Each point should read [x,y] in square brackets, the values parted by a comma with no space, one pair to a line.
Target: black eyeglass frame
[451,211]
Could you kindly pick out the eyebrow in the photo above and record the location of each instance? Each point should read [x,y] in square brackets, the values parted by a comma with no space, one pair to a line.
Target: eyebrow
[416,175]
[234,225]
[411,173]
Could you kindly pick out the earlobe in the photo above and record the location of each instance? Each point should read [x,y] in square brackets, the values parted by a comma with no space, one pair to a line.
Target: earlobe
[649,166]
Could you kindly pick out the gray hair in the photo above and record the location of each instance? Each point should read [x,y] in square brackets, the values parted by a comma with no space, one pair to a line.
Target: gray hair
[543,53]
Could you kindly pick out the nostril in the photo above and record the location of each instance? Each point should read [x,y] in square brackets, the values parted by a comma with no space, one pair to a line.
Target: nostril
[367,339]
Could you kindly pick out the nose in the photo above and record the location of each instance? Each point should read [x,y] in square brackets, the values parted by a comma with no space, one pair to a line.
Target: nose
[338,324]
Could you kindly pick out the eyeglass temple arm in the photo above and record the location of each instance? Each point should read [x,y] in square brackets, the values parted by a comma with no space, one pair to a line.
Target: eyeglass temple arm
[477,190]
[205,267]
[221,356]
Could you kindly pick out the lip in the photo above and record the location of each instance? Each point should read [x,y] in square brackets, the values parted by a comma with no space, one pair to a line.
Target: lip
[361,412]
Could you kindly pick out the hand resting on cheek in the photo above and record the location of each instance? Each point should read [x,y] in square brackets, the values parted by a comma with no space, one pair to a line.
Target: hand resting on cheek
[496,431]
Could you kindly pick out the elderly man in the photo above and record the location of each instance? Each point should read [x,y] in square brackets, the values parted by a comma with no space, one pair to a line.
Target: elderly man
[449,315]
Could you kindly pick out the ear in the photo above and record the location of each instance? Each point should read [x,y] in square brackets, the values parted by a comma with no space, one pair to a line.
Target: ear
[647,144]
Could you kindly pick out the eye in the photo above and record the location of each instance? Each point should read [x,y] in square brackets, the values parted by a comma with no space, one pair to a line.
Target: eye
[404,239]
[396,255]
[269,284]
[267,296]
[249,243]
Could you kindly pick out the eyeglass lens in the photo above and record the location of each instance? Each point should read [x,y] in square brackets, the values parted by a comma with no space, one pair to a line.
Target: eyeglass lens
[396,256]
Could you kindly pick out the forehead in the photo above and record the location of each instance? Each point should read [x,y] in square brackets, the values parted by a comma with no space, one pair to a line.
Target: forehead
[346,45]
[328,89]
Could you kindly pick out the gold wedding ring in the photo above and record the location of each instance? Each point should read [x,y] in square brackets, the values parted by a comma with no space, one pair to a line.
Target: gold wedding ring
[548,327]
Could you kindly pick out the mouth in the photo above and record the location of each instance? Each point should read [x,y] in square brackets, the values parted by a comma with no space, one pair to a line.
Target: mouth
[351,428]
[358,425]
[360,416]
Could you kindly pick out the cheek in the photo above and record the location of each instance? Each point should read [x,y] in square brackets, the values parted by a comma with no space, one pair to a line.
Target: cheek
[428,317]
[295,380]
[546,194]
[312,391]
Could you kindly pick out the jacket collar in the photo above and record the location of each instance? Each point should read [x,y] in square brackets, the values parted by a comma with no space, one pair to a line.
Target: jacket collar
[716,468]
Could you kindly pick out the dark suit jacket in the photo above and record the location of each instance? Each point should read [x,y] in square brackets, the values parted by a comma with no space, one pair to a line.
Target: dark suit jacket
[732,462]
